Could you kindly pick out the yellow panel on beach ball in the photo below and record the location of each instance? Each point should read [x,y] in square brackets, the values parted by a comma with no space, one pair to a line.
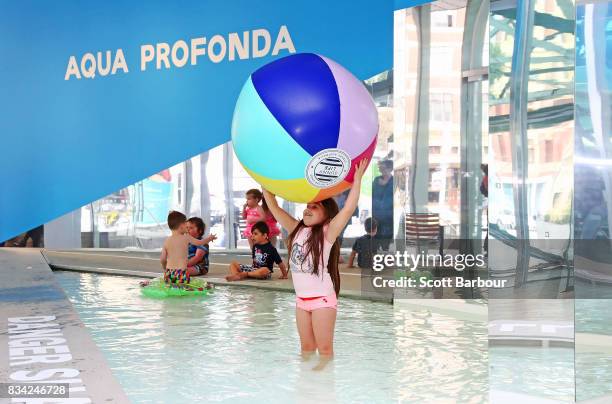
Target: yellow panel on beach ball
[297,190]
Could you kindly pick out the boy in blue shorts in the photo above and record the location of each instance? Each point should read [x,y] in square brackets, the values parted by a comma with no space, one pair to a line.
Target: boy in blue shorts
[264,257]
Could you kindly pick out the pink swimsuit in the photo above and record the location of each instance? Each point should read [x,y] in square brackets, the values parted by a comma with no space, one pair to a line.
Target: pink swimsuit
[250,213]
[312,291]
[271,222]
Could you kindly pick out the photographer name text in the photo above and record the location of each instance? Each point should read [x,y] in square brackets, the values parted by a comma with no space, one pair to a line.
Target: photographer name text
[425,282]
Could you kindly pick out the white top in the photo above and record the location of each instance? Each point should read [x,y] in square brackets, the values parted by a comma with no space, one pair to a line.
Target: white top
[305,282]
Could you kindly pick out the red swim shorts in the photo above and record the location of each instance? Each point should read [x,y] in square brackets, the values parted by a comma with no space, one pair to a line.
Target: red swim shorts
[313,303]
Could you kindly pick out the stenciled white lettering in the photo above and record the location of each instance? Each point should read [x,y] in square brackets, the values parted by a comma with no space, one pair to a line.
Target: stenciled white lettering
[232,46]
[37,340]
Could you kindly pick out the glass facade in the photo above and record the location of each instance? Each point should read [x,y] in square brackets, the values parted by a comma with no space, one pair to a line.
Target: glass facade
[440,131]
[440,91]
[531,105]
[548,203]
[592,201]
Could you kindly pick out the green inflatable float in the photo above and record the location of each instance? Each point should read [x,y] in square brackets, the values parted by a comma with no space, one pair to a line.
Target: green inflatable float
[158,289]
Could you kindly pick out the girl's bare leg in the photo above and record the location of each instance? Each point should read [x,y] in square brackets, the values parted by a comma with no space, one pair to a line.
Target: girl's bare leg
[304,326]
[323,325]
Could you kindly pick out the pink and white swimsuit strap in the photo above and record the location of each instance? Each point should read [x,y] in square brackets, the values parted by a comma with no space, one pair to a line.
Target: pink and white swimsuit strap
[305,282]
[250,213]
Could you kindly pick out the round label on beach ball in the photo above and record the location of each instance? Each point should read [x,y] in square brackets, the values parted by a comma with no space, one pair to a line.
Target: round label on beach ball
[328,168]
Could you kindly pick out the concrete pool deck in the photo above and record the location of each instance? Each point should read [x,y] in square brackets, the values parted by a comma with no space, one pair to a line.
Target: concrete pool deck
[146,265]
[42,335]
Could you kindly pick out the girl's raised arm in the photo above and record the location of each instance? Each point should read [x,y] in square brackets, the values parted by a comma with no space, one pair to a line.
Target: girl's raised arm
[336,225]
[285,219]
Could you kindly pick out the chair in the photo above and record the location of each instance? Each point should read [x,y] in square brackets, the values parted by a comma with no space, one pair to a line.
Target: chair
[424,229]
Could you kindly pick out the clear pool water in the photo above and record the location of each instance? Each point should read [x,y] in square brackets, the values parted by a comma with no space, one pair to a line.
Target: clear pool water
[593,366]
[560,373]
[536,372]
[240,345]
[593,316]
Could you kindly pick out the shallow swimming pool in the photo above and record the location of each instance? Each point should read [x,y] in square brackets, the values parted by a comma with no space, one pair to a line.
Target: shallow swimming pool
[240,345]
[539,373]
[593,362]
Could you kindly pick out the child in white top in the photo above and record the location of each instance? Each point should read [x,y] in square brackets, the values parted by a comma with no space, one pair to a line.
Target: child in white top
[313,261]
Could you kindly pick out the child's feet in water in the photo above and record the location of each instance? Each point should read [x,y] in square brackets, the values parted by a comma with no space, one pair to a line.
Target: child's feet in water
[144,283]
[307,355]
[232,278]
[323,361]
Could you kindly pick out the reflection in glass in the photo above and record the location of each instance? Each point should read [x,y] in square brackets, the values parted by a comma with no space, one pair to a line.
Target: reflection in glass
[592,201]
[543,228]
[531,127]
[440,129]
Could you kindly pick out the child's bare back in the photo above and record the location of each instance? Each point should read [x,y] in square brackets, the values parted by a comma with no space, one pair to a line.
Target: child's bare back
[175,247]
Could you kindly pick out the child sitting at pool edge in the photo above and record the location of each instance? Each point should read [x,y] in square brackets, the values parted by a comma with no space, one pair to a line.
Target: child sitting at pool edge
[365,246]
[197,255]
[175,249]
[264,256]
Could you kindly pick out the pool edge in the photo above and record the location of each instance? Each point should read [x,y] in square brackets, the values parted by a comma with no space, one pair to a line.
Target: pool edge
[32,297]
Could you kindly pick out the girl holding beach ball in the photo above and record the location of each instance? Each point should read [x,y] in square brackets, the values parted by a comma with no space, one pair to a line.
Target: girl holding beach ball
[321,125]
[314,253]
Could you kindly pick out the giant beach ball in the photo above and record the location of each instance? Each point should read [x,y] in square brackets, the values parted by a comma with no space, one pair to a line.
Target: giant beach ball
[301,124]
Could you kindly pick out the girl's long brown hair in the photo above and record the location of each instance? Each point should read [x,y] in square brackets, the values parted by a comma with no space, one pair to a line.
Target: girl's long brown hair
[316,242]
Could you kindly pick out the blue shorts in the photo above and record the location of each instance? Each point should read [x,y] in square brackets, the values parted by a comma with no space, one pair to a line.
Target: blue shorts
[201,268]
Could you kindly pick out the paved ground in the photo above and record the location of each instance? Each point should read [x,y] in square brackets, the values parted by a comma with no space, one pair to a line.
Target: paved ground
[34,310]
